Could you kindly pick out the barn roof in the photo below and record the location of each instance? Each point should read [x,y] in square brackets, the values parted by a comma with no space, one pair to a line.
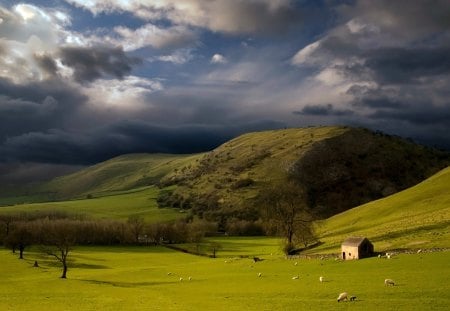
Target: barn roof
[354,241]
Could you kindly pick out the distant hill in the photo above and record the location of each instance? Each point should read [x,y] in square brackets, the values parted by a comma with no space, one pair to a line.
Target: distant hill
[418,217]
[339,167]
[117,174]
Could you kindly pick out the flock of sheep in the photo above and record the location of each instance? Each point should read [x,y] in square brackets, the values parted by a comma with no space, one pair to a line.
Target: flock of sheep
[342,296]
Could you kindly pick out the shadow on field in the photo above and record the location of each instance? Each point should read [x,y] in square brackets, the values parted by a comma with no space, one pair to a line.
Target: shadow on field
[88,266]
[124,284]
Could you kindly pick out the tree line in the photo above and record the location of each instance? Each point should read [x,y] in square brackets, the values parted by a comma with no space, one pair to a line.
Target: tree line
[283,212]
[56,233]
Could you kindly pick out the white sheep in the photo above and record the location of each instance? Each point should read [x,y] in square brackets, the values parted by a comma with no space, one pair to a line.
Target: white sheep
[260,274]
[190,278]
[169,273]
[342,296]
[419,251]
[181,279]
[295,277]
[296,263]
[388,256]
[321,279]
[389,282]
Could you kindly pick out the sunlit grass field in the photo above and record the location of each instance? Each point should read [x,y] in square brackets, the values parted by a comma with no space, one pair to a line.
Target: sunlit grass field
[148,278]
[140,202]
[418,217]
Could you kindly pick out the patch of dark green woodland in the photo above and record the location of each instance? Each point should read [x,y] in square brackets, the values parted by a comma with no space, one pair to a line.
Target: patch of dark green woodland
[334,174]
[361,166]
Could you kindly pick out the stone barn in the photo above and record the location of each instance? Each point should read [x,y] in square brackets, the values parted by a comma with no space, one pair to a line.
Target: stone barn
[356,248]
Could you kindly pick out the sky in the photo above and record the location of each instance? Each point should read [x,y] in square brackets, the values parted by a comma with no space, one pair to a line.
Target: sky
[82,81]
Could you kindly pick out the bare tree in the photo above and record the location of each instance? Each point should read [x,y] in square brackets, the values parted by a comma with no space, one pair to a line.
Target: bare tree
[57,239]
[19,237]
[7,220]
[286,212]
[136,225]
[215,247]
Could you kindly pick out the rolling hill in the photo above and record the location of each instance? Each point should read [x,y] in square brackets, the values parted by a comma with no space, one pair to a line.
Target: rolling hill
[418,217]
[339,168]
[106,178]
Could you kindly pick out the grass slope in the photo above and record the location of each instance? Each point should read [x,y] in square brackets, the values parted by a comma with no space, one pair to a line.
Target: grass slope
[117,278]
[261,157]
[414,218]
[340,168]
[141,202]
[118,174]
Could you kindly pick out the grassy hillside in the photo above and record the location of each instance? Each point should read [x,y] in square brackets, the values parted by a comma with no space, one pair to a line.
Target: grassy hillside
[418,217]
[136,278]
[339,167]
[118,174]
[139,202]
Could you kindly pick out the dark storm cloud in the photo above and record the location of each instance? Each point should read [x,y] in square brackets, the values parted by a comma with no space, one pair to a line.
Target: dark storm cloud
[419,115]
[46,63]
[323,110]
[256,17]
[99,144]
[375,98]
[36,106]
[91,63]
[407,65]
[404,18]
[15,173]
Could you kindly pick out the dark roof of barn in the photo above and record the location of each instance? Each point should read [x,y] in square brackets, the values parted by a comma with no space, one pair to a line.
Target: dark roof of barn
[354,241]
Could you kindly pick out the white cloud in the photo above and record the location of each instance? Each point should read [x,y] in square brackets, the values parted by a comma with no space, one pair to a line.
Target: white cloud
[178,57]
[126,94]
[218,59]
[303,56]
[27,31]
[152,35]
[222,16]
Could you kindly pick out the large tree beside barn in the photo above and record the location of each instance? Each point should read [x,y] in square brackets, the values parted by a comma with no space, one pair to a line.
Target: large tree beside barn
[287,214]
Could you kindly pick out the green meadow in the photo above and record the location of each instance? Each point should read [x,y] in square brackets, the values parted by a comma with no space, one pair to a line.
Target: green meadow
[136,202]
[418,217]
[148,278]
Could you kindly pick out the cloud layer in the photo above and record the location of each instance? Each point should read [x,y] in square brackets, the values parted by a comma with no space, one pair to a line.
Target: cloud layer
[83,81]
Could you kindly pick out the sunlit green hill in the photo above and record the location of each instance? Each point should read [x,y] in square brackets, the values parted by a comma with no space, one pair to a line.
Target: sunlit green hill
[418,217]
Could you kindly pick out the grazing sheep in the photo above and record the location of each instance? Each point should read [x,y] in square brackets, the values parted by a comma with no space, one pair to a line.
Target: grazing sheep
[181,279]
[388,256]
[352,298]
[296,263]
[169,273]
[259,274]
[389,282]
[419,251]
[321,279]
[379,255]
[190,278]
[342,296]
[295,277]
